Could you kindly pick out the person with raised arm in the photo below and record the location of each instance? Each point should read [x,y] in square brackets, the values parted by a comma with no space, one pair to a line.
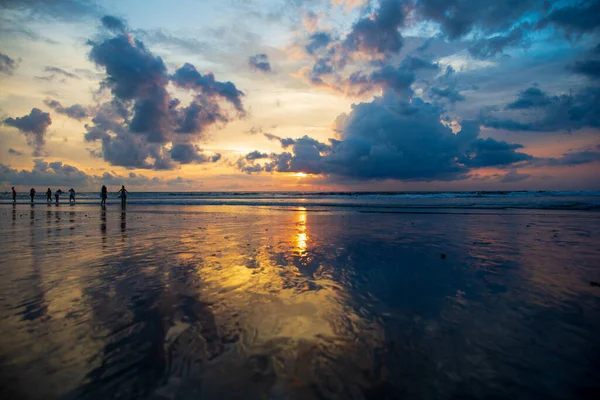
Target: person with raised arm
[123,195]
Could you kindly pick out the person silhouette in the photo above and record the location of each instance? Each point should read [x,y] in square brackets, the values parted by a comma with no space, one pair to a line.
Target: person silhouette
[14,195]
[123,194]
[32,194]
[49,195]
[57,195]
[71,195]
[104,195]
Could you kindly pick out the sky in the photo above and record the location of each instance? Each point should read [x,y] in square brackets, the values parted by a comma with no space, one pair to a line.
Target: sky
[300,95]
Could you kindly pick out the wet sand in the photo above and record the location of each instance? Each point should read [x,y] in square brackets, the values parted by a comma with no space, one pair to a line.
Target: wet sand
[250,302]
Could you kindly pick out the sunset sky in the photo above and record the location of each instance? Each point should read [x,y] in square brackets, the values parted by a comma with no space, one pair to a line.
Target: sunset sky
[206,95]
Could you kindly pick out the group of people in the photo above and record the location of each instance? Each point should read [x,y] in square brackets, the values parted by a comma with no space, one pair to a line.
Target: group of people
[103,194]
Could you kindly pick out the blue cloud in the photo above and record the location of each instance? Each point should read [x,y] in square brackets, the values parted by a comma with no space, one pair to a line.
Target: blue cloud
[144,126]
[391,138]
[76,111]
[7,64]
[260,62]
[34,127]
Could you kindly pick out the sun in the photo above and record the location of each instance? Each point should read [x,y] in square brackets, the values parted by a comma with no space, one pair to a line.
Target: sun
[300,175]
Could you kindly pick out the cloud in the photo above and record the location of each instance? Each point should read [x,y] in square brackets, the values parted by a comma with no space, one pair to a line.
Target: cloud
[378,33]
[65,10]
[191,154]
[255,155]
[75,111]
[143,126]
[514,176]
[14,152]
[575,18]
[549,113]
[396,78]
[529,98]
[34,127]
[58,174]
[391,138]
[60,71]
[570,159]
[113,23]
[489,47]
[260,62]
[188,77]
[589,68]
[161,37]
[458,18]
[7,64]
[318,40]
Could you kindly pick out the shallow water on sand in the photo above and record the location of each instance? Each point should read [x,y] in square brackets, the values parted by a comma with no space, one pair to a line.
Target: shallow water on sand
[236,302]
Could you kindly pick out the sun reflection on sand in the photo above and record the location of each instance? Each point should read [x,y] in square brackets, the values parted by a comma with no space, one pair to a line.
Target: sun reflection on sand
[301,235]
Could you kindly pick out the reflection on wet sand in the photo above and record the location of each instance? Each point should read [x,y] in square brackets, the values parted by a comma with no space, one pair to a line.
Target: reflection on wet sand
[207,304]
[103,226]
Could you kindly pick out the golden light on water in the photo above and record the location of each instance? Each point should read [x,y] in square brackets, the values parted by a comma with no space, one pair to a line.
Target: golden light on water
[301,236]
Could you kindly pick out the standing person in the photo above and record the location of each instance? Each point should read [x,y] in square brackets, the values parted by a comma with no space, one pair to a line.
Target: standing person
[57,195]
[123,196]
[32,194]
[49,195]
[71,195]
[104,195]
[14,195]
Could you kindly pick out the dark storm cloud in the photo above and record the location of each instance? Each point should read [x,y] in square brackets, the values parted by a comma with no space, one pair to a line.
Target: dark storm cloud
[378,33]
[7,64]
[392,138]
[529,98]
[259,62]
[491,153]
[14,152]
[540,111]
[575,18]
[589,68]
[457,17]
[34,127]
[143,126]
[66,10]
[75,111]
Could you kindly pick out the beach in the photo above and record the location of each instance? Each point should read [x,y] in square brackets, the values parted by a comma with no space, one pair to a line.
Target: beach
[178,301]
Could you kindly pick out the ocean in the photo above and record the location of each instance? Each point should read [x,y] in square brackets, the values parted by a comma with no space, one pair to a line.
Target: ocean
[384,201]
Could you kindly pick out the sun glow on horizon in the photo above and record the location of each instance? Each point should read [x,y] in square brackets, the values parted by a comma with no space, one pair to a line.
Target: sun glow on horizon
[300,175]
